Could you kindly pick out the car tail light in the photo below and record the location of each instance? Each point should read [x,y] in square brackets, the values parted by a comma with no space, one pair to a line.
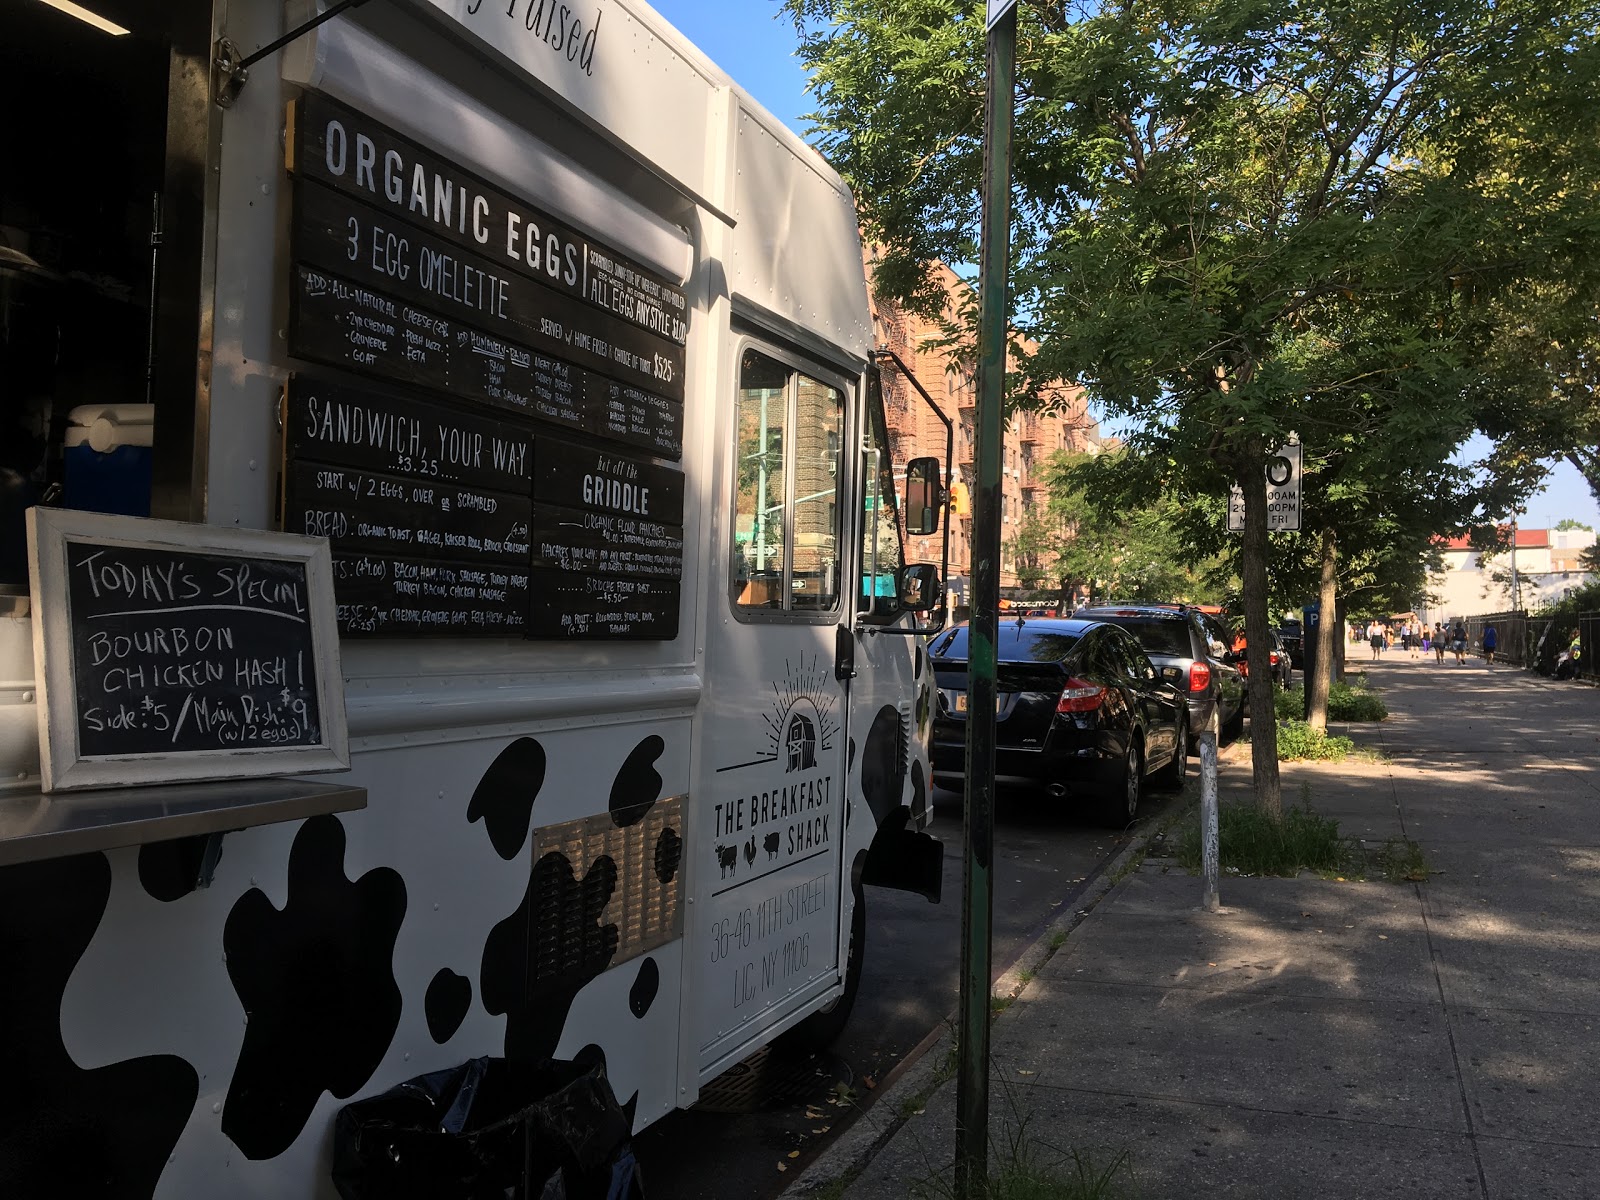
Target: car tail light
[1080,696]
[1273,656]
[1199,677]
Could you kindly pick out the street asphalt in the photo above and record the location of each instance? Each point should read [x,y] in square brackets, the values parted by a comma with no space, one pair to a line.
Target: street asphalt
[1322,1037]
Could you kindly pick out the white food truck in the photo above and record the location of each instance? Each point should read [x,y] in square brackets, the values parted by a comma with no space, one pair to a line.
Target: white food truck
[562,343]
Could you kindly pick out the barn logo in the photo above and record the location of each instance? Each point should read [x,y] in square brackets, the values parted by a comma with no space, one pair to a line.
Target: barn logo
[790,814]
[800,742]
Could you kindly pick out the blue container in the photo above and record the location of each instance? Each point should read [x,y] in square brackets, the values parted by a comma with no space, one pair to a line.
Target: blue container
[107,458]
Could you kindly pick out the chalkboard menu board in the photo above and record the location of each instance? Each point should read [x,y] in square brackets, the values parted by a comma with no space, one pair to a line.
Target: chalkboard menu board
[181,652]
[339,323]
[449,507]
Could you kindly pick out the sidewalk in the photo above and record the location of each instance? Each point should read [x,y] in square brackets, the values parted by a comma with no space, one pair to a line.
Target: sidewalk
[1339,1039]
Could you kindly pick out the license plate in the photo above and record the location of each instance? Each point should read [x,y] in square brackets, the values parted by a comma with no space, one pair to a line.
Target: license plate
[961,702]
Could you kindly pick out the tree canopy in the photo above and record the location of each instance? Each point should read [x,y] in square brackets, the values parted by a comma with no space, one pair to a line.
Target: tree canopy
[1237,219]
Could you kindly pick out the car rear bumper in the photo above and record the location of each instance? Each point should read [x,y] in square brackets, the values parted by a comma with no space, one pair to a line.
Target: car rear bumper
[1077,771]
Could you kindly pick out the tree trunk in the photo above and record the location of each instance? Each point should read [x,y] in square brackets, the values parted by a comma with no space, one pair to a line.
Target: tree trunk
[1327,631]
[1258,650]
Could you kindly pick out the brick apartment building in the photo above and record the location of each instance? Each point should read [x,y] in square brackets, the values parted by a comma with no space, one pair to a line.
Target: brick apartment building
[1030,440]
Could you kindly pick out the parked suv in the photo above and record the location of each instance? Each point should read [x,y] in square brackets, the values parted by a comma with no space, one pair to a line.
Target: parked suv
[1190,648]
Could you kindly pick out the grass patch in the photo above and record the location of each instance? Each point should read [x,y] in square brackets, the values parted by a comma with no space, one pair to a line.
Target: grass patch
[1021,1167]
[1347,701]
[1058,939]
[1297,740]
[1402,861]
[1253,843]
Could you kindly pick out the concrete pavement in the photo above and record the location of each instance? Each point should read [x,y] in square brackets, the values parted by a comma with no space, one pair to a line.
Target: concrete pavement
[1320,1038]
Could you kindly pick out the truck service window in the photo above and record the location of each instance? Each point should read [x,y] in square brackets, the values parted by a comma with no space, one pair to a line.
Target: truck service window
[85,146]
[790,430]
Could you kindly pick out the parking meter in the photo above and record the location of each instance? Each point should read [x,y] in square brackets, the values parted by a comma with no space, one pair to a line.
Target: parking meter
[1310,619]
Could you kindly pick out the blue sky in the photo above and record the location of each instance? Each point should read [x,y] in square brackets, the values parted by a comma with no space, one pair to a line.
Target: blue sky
[751,41]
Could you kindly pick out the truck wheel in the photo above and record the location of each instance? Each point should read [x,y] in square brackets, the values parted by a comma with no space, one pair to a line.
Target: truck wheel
[823,1027]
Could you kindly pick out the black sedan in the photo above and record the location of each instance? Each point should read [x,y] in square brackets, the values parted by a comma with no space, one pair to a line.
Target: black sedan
[1081,712]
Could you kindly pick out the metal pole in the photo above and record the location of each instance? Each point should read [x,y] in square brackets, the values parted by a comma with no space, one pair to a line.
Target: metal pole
[977,919]
[1516,589]
[1208,820]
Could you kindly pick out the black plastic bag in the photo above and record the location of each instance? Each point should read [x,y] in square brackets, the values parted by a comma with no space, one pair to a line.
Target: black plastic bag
[489,1129]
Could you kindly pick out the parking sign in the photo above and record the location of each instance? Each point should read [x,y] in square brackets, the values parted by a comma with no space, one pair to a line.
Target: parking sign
[1283,493]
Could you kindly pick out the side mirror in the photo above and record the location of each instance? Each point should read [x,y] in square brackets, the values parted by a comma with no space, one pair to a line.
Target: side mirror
[919,587]
[924,497]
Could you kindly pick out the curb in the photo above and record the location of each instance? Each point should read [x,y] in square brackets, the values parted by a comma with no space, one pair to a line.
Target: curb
[922,1072]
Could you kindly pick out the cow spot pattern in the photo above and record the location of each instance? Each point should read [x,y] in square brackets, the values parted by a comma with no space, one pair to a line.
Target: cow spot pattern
[882,765]
[64,1131]
[170,870]
[504,796]
[317,980]
[537,960]
[669,853]
[645,985]
[638,784]
[445,1004]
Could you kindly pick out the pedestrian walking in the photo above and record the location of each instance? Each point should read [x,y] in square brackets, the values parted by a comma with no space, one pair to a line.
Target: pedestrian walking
[1439,639]
[1491,639]
[1414,639]
[1375,638]
[1458,641]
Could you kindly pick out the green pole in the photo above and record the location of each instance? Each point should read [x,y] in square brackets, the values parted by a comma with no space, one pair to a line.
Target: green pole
[977,918]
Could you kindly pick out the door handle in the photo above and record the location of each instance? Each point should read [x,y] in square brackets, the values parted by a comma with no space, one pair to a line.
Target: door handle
[844,654]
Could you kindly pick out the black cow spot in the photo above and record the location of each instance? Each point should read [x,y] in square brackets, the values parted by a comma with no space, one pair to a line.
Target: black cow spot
[170,870]
[883,764]
[919,793]
[851,760]
[638,784]
[917,674]
[65,1131]
[669,853]
[645,985]
[448,997]
[504,796]
[317,980]
[537,960]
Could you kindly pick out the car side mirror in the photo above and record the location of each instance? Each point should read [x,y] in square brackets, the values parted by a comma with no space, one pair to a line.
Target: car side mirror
[924,497]
[919,587]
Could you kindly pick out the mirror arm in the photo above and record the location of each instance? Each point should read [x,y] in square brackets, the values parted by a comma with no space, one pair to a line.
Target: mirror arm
[949,461]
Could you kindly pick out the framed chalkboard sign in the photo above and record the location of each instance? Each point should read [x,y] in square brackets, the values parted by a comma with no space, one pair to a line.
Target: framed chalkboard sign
[171,652]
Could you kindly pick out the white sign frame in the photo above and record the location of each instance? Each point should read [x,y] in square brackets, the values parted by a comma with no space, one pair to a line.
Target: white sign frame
[62,766]
[1288,521]
[997,10]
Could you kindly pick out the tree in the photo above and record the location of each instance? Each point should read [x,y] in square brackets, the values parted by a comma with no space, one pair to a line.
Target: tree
[1570,523]
[1233,220]
[1117,544]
